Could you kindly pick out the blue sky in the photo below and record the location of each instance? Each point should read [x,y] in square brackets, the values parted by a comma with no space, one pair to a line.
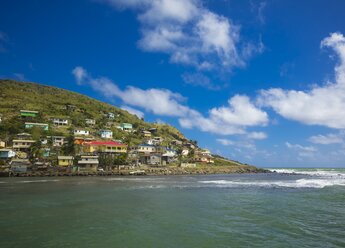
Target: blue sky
[262,82]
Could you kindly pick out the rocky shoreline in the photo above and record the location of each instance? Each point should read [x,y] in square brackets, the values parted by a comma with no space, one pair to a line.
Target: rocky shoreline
[145,172]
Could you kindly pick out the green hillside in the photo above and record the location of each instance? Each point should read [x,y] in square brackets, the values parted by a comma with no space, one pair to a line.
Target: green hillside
[54,102]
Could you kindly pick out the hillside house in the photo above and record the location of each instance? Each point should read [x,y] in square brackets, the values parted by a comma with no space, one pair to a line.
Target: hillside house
[65,161]
[20,165]
[60,121]
[151,159]
[78,140]
[58,140]
[7,153]
[20,145]
[2,144]
[46,152]
[0,118]
[81,132]
[153,130]
[184,152]
[127,127]
[44,141]
[104,147]
[106,134]
[28,113]
[146,134]
[157,140]
[88,163]
[146,148]
[23,136]
[29,125]
[203,156]
[111,115]
[176,142]
[90,122]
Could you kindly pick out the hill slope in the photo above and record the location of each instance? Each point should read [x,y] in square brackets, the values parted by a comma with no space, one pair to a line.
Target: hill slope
[54,102]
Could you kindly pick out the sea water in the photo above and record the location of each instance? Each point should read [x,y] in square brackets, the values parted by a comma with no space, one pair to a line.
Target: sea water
[290,208]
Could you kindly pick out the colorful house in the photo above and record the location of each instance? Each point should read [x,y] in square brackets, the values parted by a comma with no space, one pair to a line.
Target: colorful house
[106,134]
[7,153]
[146,134]
[80,140]
[127,127]
[104,146]
[65,161]
[28,113]
[29,125]
[88,164]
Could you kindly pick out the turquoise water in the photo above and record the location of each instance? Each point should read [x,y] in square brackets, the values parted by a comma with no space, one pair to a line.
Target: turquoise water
[258,210]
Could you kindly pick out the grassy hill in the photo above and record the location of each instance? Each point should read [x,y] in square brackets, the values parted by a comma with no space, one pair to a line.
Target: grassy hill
[53,102]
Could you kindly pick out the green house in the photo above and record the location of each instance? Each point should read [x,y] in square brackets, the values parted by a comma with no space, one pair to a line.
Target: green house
[126,127]
[28,113]
[29,125]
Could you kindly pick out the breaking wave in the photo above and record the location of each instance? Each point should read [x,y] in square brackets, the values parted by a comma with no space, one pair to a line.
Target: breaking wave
[300,183]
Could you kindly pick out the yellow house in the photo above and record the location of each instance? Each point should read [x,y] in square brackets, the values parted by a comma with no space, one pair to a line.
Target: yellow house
[104,146]
[65,161]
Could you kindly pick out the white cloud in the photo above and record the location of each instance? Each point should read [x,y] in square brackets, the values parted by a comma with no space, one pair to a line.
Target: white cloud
[300,147]
[188,32]
[133,111]
[240,144]
[322,105]
[327,139]
[240,112]
[257,135]
[199,79]
[226,120]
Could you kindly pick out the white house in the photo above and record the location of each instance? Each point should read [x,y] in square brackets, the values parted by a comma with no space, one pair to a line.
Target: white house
[111,115]
[146,148]
[60,121]
[81,132]
[106,134]
[58,140]
[88,163]
[184,152]
[90,122]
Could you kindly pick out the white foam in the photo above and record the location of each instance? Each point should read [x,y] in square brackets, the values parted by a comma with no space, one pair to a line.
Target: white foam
[39,181]
[300,183]
[326,173]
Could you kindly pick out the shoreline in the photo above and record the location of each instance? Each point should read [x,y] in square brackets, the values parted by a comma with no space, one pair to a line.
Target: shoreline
[166,171]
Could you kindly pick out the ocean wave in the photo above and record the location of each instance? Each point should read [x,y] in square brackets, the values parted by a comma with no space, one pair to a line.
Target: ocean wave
[300,183]
[39,181]
[327,173]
